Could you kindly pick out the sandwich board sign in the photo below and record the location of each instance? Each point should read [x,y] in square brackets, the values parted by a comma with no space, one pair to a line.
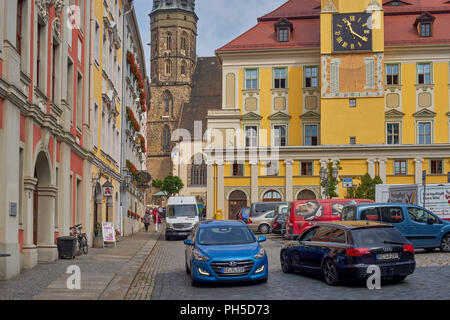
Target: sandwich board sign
[109,232]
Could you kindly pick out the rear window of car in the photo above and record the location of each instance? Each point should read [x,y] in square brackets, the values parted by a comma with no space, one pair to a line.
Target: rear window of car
[377,236]
[260,208]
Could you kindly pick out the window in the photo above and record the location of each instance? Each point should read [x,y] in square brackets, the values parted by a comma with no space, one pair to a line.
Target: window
[198,171]
[168,67]
[311,77]
[251,136]
[97,42]
[306,168]
[421,216]
[393,133]
[371,214]
[392,215]
[96,124]
[20,4]
[183,68]
[279,135]
[425,29]
[279,75]
[39,56]
[436,167]
[424,132]
[324,234]
[169,41]
[167,101]
[309,234]
[79,101]
[392,74]
[283,35]
[166,139]
[424,73]
[311,135]
[272,196]
[400,167]
[238,170]
[183,42]
[352,140]
[352,103]
[251,79]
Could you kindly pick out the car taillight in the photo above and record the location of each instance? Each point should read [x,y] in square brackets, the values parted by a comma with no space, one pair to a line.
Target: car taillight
[357,252]
[276,224]
[250,221]
[408,248]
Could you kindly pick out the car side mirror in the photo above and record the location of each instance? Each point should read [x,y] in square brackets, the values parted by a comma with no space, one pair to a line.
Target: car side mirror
[188,242]
[262,239]
[430,221]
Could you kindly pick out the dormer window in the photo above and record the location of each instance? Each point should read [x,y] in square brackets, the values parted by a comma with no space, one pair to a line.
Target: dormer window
[424,25]
[283,29]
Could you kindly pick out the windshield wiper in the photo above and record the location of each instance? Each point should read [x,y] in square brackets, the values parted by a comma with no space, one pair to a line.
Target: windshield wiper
[393,242]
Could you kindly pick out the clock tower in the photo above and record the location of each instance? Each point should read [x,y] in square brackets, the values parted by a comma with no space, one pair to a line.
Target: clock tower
[352,72]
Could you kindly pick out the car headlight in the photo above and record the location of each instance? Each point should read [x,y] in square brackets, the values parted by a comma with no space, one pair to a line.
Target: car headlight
[199,257]
[260,254]
[169,226]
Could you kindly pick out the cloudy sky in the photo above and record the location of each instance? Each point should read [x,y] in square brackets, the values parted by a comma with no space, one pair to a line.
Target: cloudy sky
[220,21]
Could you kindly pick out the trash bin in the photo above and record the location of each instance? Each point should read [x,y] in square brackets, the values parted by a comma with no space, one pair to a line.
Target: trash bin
[67,247]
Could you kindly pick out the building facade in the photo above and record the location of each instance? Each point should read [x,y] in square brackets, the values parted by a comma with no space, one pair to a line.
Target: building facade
[134,122]
[359,84]
[45,134]
[106,108]
[173,60]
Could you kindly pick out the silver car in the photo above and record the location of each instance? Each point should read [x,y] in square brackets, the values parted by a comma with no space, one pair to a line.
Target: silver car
[262,223]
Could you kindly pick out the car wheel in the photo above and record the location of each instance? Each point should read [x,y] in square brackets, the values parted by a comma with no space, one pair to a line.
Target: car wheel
[264,228]
[295,260]
[285,262]
[398,278]
[445,243]
[330,273]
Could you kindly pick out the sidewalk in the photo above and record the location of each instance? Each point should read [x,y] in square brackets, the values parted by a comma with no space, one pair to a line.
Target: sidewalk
[105,273]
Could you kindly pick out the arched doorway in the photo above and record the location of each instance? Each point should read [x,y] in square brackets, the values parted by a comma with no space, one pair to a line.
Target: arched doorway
[306,195]
[272,196]
[44,210]
[236,201]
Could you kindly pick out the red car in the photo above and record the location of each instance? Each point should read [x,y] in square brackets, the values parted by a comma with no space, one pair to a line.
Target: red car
[303,214]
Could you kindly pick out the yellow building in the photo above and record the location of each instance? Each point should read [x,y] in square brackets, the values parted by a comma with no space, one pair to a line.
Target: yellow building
[106,107]
[361,83]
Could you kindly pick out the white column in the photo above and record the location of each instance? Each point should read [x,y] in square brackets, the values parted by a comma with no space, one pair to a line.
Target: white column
[210,190]
[383,169]
[220,186]
[29,249]
[418,170]
[47,251]
[289,179]
[254,180]
[371,167]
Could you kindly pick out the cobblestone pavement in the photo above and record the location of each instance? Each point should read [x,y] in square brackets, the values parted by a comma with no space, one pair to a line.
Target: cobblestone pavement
[165,278]
[103,273]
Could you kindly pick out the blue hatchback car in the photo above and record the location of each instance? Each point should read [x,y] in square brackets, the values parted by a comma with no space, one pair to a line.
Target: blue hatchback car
[422,228]
[225,251]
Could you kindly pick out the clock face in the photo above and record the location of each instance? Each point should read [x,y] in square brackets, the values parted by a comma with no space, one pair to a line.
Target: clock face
[351,32]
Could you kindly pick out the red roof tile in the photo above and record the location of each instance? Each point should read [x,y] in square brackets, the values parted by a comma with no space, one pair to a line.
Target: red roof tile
[305,17]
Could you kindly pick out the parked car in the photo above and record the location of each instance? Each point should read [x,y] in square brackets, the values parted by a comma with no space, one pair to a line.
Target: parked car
[279,224]
[424,229]
[182,216]
[262,223]
[243,214]
[344,251]
[221,251]
[258,208]
[303,214]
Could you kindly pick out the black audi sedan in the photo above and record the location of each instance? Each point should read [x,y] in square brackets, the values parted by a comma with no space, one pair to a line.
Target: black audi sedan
[345,250]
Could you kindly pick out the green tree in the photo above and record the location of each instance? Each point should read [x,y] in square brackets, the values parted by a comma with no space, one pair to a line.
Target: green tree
[170,186]
[366,189]
[332,182]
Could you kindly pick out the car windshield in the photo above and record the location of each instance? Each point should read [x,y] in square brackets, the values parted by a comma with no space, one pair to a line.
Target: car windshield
[368,237]
[182,210]
[225,235]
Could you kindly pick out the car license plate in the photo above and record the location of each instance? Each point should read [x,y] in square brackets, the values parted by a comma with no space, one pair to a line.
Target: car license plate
[233,270]
[387,256]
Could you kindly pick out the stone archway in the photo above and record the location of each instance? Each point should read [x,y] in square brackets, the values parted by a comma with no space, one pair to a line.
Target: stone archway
[43,222]
[236,201]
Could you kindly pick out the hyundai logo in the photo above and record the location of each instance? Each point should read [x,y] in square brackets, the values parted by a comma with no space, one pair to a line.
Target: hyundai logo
[387,249]
[232,263]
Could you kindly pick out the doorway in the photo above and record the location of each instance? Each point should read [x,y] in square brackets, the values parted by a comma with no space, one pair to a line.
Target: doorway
[236,201]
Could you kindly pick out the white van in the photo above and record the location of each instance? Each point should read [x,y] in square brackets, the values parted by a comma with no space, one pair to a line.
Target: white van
[181,216]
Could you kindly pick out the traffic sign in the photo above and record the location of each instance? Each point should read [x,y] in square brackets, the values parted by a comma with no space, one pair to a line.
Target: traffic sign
[347,182]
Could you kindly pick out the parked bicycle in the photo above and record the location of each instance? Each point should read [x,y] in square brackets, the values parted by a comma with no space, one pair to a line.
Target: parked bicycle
[82,243]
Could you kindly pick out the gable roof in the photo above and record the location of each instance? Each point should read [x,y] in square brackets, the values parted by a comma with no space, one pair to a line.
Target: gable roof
[305,18]
[206,94]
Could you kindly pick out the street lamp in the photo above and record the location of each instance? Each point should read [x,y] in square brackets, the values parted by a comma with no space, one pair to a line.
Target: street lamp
[324,177]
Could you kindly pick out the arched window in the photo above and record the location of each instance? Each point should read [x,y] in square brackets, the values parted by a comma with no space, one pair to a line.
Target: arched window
[198,171]
[166,139]
[168,67]
[169,41]
[168,101]
[183,68]
[306,195]
[184,46]
[272,196]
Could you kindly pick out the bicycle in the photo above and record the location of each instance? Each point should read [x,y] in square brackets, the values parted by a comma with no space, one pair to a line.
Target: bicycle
[82,243]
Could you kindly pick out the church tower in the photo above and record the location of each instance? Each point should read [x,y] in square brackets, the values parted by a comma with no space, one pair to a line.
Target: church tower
[173,25]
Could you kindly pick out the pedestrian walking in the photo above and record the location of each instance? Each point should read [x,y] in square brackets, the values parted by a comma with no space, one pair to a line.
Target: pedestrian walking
[157,221]
[146,220]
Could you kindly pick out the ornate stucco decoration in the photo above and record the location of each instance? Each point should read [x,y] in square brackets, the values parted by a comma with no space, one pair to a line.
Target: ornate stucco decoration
[329,7]
[56,29]
[59,4]
[42,7]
